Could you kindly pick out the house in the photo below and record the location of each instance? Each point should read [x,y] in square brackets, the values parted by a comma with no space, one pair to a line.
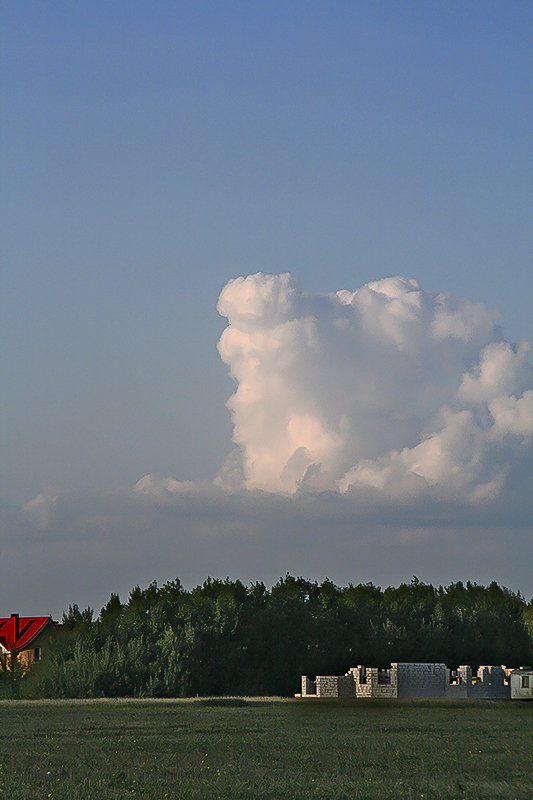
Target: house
[23,638]
[522,684]
[413,680]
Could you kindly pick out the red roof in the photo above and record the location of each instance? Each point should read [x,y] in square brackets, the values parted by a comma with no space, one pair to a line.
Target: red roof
[17,633]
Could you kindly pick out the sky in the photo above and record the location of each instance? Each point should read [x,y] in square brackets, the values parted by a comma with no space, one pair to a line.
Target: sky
[266,294]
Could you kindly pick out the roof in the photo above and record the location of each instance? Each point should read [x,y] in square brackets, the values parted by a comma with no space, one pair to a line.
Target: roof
[17,633]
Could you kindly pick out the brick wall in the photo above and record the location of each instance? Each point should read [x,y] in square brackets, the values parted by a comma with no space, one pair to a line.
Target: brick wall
[308,687]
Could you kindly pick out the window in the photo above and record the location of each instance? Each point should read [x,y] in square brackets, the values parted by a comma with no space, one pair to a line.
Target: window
[37,654]
[525,681]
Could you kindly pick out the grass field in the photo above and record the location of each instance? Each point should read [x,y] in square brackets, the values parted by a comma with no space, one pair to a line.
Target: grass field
[105,750]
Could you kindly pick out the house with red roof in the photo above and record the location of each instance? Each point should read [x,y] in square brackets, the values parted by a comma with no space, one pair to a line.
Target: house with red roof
[22,638]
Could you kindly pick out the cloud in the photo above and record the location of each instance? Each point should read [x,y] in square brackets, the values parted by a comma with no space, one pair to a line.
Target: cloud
[378,433]
[40,508]
[391,387]
[93,544]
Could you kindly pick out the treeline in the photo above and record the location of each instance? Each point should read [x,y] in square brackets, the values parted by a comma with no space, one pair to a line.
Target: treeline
[227,638]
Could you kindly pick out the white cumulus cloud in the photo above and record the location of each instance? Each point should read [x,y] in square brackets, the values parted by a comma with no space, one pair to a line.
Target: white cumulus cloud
[390,387]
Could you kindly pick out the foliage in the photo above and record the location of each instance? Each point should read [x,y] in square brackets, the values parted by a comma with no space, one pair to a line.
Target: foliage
[224,638]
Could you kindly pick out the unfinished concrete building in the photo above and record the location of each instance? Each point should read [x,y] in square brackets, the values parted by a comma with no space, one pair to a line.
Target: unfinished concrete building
[412,680]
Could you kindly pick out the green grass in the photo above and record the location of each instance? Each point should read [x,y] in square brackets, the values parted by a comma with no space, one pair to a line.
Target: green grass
[105,750]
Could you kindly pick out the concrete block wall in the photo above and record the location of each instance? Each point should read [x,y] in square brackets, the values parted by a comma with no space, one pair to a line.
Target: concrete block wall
[372,682]
[457,691]
[411,680]
[357,673]
[362,688]
[334,686]
[327,686]
[372,676]
[491,675]
[392,675]
[421,680]
[346,686]
[464,673]
[487,691]
[384,690]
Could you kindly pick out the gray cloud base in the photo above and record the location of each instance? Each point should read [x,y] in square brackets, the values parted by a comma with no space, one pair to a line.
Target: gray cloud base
[87,546]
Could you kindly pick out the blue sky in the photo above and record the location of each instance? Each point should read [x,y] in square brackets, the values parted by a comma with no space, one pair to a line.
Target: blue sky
[152,151]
